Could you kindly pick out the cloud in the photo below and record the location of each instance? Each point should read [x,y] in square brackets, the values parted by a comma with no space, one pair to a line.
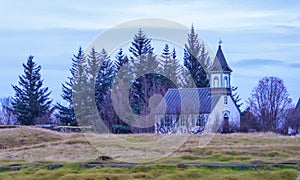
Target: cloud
[104,14]
[261,63]
[294,65]
[257,63]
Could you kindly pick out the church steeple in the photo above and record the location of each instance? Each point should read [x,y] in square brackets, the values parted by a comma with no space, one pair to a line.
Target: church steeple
[220,72]
[220,63]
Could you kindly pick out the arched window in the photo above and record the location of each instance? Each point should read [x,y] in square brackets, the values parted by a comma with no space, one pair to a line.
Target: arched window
[226,81]
[200,120]
[226,114]
[216,81]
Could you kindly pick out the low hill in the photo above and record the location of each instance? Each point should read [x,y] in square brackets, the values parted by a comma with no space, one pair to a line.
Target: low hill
[36,144]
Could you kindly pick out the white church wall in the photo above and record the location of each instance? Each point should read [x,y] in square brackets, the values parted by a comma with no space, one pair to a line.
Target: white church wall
[234,112]
[216,116]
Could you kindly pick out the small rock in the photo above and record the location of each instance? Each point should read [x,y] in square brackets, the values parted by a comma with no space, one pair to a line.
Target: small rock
[181,165]
[104,158]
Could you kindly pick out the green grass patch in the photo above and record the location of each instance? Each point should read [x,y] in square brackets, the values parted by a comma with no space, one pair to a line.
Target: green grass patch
[161,172]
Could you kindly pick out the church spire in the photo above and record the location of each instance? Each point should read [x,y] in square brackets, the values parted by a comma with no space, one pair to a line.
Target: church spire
[220,42]
[219,74]
[220,63]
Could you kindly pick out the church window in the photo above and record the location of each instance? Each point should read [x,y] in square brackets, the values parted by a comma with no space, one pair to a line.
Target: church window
[167,121]
[225,100]
[226,81]
[183,121]
[216,81]
[200,120]
[193,119]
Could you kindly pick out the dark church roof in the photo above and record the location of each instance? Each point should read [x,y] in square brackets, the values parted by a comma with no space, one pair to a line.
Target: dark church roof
[220,63]
[187,101]
[297,109]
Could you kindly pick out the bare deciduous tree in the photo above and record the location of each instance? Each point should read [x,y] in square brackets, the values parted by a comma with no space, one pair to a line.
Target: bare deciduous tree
[6,114]
[270,102]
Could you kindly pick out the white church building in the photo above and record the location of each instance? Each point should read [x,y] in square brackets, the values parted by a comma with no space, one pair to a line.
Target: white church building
[198,110]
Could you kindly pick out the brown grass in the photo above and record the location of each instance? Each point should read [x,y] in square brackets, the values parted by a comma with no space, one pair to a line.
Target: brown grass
[33,144]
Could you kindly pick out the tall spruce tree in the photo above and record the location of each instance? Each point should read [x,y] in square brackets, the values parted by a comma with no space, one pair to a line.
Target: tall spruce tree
[93,65]
[81,90]
[143,59]
[140,45]
[197,49]
[145,66]
[105,76]
[103,85]
[170,64]
[31,100]
[186,80]
[146,76]
[66,114]
[122,81]
[123,70]
[194,53]
[120,60]
[93,61]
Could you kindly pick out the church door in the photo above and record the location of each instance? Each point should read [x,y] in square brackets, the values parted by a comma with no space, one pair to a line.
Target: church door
[226,123]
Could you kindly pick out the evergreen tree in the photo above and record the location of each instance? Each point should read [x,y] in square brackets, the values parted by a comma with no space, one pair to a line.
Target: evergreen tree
[186,80]
[93,65]
[103,89]
[197,49]
[204,58]
[236,97]
[123,79]
[141,45]
[123,70]
[144,63]
[120,60]
[194,54]
[170,65]
[105,76]
[143,58]
[146,76]
[196,71]
[31,100]
[193,45]
[66,114]
[80,90]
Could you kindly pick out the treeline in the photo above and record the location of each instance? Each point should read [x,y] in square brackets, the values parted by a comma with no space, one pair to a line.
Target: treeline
[142,71]
[100,87]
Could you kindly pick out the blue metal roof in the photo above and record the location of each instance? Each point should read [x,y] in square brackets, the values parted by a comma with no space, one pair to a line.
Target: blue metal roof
[187,101]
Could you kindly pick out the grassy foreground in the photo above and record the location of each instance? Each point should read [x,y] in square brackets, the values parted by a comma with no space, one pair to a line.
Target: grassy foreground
[76,172]
[39,151]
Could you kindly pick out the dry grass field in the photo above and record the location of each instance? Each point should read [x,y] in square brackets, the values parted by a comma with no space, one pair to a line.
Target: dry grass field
[33,145]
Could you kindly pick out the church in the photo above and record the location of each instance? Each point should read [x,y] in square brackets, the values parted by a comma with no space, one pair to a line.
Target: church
[201,110]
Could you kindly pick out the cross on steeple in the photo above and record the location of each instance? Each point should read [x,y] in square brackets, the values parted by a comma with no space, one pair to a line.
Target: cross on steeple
[220,42]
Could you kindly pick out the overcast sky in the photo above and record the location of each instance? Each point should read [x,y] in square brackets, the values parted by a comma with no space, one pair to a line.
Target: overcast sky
[260,38]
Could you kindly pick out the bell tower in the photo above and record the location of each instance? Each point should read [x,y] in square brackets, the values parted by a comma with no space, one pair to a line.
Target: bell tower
[219,74]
